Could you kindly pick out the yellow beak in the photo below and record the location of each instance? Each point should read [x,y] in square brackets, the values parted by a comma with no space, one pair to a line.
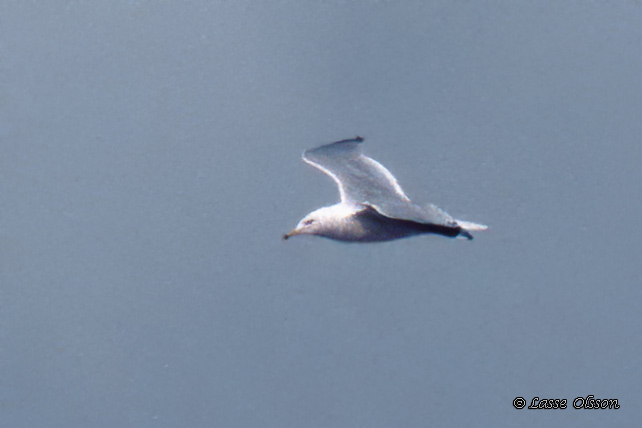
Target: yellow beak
[288,235]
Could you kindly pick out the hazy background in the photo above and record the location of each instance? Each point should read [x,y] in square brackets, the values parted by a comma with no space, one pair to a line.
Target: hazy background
[150,162]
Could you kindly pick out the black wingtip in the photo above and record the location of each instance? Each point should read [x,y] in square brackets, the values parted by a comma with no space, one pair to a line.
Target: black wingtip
[357,139]
[466,235]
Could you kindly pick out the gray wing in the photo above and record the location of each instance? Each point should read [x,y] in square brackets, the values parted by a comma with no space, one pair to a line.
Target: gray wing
[364,181]
[429,214]
[360,178]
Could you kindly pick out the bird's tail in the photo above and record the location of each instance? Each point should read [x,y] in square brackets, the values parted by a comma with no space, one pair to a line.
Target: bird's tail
[467,226]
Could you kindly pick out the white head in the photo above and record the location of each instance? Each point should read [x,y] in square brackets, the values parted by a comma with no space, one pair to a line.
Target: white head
[323,221]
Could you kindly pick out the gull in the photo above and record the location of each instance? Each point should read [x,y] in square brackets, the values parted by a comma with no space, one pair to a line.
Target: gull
[373,206]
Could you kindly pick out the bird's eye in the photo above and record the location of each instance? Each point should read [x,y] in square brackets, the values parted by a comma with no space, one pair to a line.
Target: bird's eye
[308,222]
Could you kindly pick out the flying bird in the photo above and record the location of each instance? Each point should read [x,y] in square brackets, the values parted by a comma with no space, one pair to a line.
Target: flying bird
[373,206]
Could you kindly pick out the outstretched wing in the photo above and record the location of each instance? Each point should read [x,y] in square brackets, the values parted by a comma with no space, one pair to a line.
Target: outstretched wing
[364,181]
[429,214]
[360,179]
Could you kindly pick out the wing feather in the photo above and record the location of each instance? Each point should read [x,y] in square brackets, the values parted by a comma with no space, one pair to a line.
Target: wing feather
[359,178]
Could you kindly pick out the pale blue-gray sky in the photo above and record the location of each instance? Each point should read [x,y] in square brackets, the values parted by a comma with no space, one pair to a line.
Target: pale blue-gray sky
[151,162]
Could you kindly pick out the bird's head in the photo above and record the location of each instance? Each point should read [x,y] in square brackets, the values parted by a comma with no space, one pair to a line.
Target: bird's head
[311,224]
[321,222]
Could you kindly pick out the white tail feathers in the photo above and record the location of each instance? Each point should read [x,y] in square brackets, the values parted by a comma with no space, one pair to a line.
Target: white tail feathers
[469,225]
